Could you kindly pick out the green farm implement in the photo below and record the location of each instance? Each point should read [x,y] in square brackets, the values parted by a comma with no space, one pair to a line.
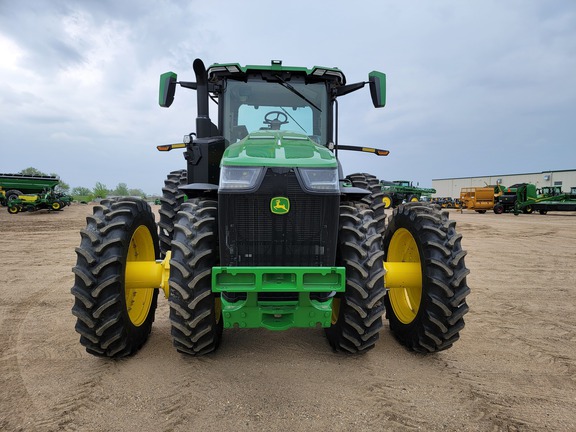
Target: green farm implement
[19,184]
[263,230]
[526,198]
[48,200]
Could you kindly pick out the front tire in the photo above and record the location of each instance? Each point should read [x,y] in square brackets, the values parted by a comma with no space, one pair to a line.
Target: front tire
[428,317]
[357,314]
[113,319]
[195,312]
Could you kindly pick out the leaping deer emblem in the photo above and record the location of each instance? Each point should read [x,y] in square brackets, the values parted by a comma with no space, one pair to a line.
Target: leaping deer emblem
[280,205]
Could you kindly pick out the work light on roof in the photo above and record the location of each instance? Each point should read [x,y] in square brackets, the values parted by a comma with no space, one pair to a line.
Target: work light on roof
[227,68]
[329,72]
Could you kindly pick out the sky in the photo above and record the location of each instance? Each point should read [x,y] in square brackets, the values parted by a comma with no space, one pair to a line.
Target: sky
[474,87]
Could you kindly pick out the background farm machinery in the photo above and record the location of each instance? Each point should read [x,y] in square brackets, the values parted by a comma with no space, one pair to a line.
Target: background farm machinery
[526,198]
[15,185]
[48,200]
[20,192]
[480,199]
[402,191]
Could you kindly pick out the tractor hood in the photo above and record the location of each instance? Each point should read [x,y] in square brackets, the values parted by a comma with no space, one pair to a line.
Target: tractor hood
[278,149]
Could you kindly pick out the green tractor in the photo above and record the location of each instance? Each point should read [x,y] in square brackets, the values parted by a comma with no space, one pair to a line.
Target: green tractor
[263,230]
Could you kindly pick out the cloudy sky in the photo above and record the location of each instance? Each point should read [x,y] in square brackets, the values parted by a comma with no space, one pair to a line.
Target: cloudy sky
[477,87]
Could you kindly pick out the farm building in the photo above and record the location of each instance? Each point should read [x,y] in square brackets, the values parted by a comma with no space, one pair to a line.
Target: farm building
[450,187]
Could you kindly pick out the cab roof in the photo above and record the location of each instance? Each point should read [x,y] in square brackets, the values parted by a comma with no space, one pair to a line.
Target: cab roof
[219,71]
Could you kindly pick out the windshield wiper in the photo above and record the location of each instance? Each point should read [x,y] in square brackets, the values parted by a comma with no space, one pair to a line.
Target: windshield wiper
[294,120]
[283,83]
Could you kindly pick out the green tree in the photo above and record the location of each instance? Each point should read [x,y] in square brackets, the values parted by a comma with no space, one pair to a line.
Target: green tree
[121,190]
[100,190]
[62,187]
[137,192]
[32,171]
[81,191]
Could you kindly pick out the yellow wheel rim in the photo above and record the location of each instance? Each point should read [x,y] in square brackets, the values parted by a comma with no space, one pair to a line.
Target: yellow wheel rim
[414,199]
[218,309]
[387,202]
[13,210]
[405,301]
[335,310]
[139,300]
[56,206]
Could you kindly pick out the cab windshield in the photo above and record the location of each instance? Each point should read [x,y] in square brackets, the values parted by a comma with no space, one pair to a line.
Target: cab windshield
[258,105]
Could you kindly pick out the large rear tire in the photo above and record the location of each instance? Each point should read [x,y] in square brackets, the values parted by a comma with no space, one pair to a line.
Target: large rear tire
[375,201]
[357,314]
[195,312]
[429,317]
[113,319]
[172,199]
[12,194]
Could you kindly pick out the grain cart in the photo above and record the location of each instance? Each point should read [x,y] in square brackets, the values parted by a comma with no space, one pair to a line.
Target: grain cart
[267,232]
[20,184]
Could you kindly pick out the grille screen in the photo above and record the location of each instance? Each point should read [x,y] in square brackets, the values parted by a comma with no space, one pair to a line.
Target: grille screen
[251,235]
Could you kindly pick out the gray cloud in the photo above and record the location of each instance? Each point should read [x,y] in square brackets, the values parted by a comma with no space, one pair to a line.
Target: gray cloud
[474,88]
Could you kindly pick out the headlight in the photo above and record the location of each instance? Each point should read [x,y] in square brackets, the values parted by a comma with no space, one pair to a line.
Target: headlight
[241,179]
[320,180]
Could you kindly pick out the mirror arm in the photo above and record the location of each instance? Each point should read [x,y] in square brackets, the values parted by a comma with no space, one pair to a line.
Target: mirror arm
[344,90]
[188,84]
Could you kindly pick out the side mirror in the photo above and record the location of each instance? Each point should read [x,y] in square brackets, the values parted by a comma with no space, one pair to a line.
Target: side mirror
[377,82]
[167,89]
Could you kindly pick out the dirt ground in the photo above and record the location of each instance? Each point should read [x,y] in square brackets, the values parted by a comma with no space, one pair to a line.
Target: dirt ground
[514,368]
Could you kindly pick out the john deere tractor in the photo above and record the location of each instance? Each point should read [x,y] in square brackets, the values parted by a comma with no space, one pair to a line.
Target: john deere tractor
[263,230]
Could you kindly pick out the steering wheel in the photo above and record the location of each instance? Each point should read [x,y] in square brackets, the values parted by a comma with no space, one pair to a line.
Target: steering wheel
[275,119]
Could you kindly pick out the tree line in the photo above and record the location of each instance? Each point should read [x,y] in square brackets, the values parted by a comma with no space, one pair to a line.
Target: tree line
[98,191]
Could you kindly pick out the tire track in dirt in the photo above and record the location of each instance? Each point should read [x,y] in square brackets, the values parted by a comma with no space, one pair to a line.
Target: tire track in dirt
[36,357]
[13,417]
[58,401]
[23,350]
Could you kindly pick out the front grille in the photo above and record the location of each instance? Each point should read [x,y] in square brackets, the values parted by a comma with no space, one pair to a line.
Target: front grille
[251,235]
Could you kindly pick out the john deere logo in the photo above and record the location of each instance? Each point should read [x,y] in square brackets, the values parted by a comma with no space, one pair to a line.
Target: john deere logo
[280,205]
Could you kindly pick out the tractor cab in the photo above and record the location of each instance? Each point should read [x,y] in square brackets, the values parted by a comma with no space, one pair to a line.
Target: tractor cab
[263,98]
[267,115]
[258,99]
